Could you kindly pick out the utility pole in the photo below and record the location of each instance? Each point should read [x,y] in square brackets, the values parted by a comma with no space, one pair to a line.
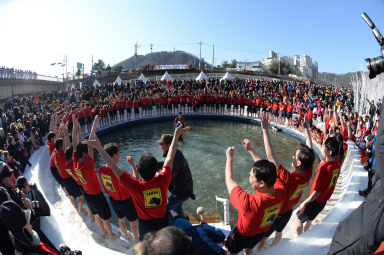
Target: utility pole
[151,53]
[200,55]
[135,57]
[213,56]
[278,55]
[66,61]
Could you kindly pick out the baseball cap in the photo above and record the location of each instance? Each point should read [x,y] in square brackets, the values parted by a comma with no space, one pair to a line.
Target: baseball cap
[5,171]
[165,138]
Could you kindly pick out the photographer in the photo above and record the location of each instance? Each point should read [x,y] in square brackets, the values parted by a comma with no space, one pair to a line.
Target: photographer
[39,205]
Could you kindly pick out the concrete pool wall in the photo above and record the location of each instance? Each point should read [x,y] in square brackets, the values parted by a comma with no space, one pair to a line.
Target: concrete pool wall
[66,226]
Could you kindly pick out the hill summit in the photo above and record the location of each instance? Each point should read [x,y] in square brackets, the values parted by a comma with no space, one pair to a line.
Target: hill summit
[163,58]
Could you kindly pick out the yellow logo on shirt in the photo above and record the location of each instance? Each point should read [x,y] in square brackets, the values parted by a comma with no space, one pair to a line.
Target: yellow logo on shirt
[270,215]
[299,190]
[335,174]
[107,181]
[152,198]
[56,163]
[80,175]
[70,173]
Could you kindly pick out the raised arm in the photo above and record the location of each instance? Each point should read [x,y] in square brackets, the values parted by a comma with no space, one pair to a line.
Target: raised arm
[95,143]
[267,140]
[229,175]
[307,132]
[75,138]
[172,149]
[134,169]
[93,131]
[248,146]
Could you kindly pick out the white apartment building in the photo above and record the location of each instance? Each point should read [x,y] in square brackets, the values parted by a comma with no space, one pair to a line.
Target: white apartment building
[308,68]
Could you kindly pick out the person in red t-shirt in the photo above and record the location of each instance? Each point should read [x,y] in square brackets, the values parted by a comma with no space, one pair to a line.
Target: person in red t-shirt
[51,142]
[295,182]
[289,113]
[258,211]
[85,170]
[322,187]
[119,197]
[149,194]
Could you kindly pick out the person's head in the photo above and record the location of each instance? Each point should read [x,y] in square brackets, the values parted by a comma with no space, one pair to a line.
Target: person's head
[303,159]
[147,166]
[340,153]
[51,137]
[167,241]
[180,114]
[263,175]
[113,151]
[5,175]
[59,144]
[82,150]
[165,142]
[23,184]
[331,147]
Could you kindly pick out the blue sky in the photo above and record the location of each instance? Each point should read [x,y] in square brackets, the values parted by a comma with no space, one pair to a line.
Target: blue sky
[35,33]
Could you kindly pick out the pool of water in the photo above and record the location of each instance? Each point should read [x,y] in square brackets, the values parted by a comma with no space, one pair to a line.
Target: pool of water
[204,148]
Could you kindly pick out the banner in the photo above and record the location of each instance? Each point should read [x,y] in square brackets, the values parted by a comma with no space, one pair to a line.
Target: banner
[170,67]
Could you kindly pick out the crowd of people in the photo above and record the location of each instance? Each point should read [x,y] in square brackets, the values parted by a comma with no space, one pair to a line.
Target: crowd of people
[142,197]
[18,74]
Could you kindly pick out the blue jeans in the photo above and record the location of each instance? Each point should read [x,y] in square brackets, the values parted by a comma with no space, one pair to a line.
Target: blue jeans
[175,204]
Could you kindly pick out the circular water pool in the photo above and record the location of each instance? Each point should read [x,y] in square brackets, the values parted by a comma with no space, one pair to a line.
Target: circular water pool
[204,148]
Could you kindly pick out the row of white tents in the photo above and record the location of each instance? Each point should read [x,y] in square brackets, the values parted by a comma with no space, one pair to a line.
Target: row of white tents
[168,77]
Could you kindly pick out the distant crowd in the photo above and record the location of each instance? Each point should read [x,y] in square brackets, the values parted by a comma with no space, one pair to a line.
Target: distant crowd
[18,74]
[152,195]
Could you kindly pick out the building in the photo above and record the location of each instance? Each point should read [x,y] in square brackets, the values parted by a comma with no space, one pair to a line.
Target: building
[308,68]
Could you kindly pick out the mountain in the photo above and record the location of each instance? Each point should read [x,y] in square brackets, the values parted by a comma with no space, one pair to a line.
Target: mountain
[162,58]
[340,80]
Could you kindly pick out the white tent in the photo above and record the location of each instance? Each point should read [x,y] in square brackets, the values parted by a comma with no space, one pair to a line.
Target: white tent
[143,78]
[202,76]
[96,83]
[80,84]
[73,86]
[118,80]
[227,76]
[167,77]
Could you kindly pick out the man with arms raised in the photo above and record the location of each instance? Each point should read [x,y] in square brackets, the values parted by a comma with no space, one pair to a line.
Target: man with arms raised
[294,182]
[256,211]
[149,194]
[85,170]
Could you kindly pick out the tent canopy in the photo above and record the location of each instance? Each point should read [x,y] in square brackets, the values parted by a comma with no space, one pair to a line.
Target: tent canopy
[202,76]
[143,78]
[118,80]
[96,83]
[227,76]
[73,86]
[167,77]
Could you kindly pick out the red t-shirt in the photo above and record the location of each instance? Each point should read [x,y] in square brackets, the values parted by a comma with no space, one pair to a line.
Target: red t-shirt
[257,211]
[295,184]
[325,180]
[59,159]
[71,171]
[85,171]
[310,114]
[149,197]
[290,108]
[275,107]
[51,147]
[112,185]
[52,161]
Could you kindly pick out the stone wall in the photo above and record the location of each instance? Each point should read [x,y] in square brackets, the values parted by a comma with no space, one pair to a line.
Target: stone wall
[9,88]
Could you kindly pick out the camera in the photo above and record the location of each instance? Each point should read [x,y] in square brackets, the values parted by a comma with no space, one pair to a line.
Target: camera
[375,65]
[35,204]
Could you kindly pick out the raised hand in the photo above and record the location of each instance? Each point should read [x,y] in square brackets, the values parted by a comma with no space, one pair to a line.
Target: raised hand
[230,152]
[265,121]
[94,142]
[180,130]
[247,144]
[130,160]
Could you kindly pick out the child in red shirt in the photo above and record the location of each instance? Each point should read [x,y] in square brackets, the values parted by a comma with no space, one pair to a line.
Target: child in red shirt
[257,211]
[322,187]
